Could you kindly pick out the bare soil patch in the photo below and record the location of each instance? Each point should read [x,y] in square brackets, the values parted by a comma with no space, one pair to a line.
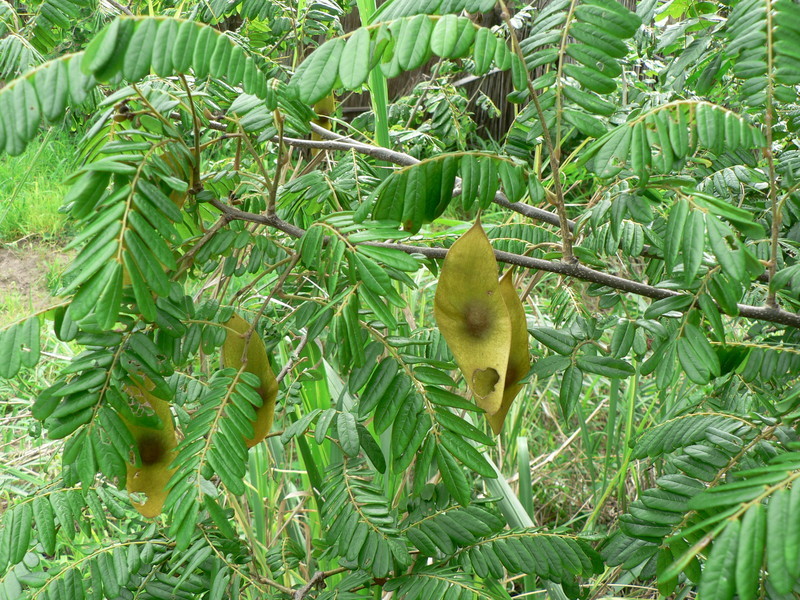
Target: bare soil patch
[25,271]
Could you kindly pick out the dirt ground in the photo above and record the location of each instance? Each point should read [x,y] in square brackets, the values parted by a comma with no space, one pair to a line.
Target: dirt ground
[24,274]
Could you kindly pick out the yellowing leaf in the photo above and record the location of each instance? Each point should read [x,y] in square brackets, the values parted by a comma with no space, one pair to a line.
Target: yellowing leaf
[243,348]
[519,359]
[472,316]
[156,450]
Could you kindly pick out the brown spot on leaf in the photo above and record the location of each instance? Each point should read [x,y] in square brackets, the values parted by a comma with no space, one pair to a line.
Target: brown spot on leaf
[151,449]
[477,318]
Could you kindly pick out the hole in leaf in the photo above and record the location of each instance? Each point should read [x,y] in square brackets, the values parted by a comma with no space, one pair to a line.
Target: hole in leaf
[484,380]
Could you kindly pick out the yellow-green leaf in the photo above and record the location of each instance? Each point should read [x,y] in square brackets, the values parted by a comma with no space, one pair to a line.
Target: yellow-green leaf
[244,349]
[519,359]
[473,318]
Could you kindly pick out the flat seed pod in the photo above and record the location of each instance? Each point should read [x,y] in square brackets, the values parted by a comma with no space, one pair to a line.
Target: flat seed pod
[240,349]
[519,358]
[156,450]
[472,316]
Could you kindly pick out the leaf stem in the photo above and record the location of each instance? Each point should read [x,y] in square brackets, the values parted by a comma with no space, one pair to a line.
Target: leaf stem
[773,182]
[552,151]
[196,130]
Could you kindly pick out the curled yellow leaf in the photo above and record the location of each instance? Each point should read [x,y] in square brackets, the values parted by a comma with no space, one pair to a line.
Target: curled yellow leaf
[473,318]
[519,358]
[156,450]
[244,349]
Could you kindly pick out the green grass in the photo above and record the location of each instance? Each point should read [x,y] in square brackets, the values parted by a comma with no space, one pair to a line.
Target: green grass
[31,188]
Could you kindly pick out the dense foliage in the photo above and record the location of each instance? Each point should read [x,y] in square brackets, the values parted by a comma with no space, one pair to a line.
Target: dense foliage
[246,349]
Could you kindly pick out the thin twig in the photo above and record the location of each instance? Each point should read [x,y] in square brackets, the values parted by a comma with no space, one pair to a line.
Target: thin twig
[316,579]
[424,93]
[293,260]
[186,259]
[276,585]
[120,7]
[293,359]
[196,129]
[279,161]
[260,163]
[271,220]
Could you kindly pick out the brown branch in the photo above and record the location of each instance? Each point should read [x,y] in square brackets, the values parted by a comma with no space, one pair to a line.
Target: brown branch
[275,584]
[271,220]
[120,7]
[473,78]
[294,358]
[578,271]
[316,579]
[333,141]
[212,124]
[575,270]
[336,142]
